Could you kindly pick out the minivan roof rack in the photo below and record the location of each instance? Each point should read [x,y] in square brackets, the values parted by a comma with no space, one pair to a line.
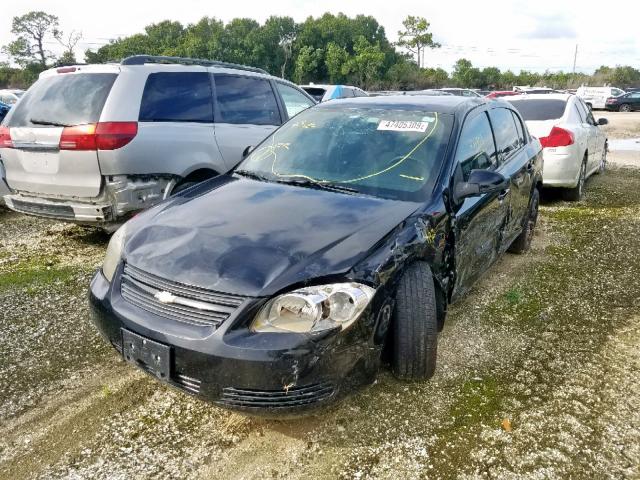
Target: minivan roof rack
[142,59]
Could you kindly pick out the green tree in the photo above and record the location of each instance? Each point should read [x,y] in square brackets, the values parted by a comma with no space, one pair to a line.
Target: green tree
[416,37]
[336,60]
[307,64]
[69,43]
[32,30]
[366,64]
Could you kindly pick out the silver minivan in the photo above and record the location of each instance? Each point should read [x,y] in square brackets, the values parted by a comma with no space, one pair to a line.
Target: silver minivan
[94,144]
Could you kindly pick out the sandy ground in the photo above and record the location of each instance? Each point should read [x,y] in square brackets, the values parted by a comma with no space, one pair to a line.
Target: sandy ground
[537,378]
[626,127]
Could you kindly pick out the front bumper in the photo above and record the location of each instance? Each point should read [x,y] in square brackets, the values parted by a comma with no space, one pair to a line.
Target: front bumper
[268,374]
[121,196]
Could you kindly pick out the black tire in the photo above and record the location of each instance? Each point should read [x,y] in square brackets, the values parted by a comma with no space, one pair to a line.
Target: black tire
[575,194]
[522,243]
[415,325]
[624,108]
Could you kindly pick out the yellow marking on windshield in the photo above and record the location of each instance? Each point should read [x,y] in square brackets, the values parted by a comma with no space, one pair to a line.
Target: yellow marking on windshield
[417,179]
[272,150]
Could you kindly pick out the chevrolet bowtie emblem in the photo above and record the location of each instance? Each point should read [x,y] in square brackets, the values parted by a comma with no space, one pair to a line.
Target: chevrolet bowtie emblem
[165,297]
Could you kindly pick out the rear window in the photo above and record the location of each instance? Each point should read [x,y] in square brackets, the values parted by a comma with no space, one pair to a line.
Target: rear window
[65,99]
[315,92]
[177,97]
[544,109]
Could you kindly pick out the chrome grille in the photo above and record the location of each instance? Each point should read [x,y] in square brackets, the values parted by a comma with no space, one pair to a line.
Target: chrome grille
[188,304]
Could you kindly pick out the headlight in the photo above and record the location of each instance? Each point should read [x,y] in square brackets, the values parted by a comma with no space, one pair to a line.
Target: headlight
[312,309]
[114,252]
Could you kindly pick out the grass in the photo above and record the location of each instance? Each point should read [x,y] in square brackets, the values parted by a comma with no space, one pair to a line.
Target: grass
[32,274]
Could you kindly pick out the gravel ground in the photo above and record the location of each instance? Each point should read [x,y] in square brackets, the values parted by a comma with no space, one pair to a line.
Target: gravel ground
[538,373]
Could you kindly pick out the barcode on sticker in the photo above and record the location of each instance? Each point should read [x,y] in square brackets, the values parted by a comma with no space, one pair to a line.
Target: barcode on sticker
[403,126]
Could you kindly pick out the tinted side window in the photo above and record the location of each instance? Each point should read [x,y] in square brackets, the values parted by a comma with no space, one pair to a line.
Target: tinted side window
[476,149]
[521,136]
[246,100]
[505,131]
[177,97]
[294,101]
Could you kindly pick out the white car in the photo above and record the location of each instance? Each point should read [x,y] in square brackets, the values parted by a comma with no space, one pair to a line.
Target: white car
[4,188]
[10,96]
[322,93]
[596,97]
[574,146]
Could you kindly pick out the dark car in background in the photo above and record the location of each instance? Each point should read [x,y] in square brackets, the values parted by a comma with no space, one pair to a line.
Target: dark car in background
[624,103]
[4,109]
[276,288]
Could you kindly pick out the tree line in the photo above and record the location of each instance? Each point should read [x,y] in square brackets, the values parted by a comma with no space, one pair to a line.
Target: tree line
[330,48]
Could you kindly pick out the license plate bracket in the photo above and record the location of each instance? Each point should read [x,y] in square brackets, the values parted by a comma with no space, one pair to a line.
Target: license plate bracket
[152,357]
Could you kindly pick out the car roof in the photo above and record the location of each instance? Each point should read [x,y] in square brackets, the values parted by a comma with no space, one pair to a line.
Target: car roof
[441,104]
[541,96]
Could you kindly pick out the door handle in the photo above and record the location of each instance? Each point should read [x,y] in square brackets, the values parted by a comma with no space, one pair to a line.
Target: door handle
[503,194]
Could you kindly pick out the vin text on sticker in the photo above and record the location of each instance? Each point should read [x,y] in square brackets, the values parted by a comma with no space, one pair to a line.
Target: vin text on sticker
[403,126]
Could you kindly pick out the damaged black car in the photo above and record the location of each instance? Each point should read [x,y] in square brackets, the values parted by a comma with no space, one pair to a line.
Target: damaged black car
[275,288]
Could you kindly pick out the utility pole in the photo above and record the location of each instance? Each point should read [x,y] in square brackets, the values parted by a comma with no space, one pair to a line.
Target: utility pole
[575,56]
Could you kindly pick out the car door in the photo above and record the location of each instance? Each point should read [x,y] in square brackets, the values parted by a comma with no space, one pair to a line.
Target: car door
[175,124]
[592,132]
[634,100]
[478,222]
[294,101]
[516,165]
[246,112]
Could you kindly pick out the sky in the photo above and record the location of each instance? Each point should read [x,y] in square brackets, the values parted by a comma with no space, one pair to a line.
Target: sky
[518,35]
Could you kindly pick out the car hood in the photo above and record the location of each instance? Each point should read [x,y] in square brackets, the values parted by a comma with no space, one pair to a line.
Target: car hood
[253,238]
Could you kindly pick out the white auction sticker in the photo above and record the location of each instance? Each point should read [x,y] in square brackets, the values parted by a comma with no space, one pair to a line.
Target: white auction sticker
[403,126]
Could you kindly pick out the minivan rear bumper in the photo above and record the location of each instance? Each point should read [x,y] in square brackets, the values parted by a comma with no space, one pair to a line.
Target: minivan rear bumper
[61,210]
[121,196]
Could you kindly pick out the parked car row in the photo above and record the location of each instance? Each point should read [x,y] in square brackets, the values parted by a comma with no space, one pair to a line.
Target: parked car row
[286,247]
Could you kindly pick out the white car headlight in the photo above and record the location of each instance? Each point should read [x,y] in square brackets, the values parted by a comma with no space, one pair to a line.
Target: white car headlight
[312,309]
[114,252]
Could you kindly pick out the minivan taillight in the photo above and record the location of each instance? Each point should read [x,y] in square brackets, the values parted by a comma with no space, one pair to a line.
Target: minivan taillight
[558,137]
[98,136]
[78,137]
[114,135]
[5,138]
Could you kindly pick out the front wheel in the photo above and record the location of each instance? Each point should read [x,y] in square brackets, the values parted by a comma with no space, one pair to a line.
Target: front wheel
[415,325]
[522,243]
[624,108]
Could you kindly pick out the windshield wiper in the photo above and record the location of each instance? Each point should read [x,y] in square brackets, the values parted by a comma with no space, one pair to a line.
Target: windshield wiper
[254,175]
[305,182]
[47,122]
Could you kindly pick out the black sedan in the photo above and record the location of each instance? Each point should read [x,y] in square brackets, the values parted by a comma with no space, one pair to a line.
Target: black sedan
[275,288]
[624,103]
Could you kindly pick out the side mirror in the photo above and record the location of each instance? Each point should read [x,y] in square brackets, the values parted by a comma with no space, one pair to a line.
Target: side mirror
[603,121]
[247,151]
[480,181]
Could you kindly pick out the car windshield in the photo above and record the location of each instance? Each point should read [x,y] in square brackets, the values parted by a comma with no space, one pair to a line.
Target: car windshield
[387,153]
[543,109]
